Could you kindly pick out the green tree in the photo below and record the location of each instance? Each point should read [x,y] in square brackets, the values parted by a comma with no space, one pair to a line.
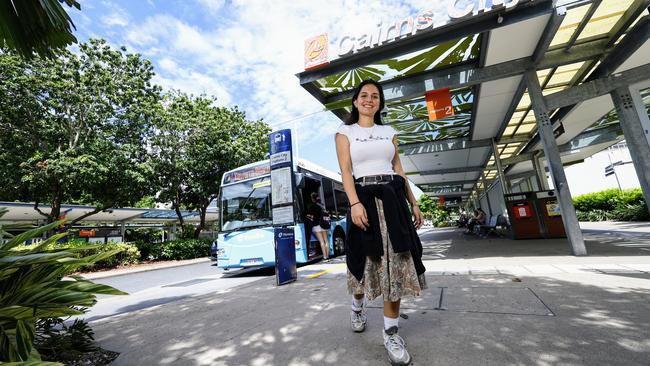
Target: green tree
[30,26]
[427,206]
[432,210]
[194,143]
[73,129]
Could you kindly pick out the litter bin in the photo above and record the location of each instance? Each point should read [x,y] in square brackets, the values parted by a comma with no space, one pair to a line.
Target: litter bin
[551,215]
[534,215]
[523,215]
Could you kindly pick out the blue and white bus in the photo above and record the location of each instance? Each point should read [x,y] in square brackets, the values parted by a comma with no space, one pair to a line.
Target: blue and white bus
[246,235]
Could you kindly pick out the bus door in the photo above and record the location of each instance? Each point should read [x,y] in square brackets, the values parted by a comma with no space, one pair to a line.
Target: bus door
[310,186]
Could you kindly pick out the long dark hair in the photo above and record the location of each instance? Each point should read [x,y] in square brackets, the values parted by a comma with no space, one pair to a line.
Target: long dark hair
[354,116]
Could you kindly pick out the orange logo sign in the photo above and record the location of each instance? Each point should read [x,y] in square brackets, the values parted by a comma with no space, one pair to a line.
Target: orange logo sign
[439,104]
[316,52]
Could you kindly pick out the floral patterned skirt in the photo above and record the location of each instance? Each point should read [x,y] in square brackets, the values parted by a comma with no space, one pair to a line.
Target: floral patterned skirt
[393,275]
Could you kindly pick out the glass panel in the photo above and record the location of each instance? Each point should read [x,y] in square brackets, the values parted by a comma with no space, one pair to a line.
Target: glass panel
[441,55]
[564,74]
[552,90]
[571,20]
[526,128]
[524,103]
[605,17]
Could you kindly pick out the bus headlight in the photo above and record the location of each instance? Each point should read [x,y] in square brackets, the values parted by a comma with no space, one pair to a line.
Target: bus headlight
[297,244]
[221,252]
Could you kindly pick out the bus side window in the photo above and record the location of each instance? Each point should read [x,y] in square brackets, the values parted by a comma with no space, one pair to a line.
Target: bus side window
[342,204]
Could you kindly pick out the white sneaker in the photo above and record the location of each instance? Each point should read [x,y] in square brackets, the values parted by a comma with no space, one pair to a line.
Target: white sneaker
[358,318]
[396,347]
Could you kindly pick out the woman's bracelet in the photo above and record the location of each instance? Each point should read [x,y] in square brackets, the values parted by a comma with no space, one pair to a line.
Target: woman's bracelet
[356,203]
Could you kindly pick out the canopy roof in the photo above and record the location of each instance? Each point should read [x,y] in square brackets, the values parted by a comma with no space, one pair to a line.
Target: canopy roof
[24,212]
[482,60]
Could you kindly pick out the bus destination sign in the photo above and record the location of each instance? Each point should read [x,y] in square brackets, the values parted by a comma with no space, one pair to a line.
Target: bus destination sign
[247,173]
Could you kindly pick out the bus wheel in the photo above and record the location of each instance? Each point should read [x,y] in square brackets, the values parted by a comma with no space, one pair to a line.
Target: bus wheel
[339,244]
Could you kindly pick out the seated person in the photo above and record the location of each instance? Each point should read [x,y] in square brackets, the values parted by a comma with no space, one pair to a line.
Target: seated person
[478,219]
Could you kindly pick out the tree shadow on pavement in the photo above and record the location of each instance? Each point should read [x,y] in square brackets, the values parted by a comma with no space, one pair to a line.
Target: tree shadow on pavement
[598,320]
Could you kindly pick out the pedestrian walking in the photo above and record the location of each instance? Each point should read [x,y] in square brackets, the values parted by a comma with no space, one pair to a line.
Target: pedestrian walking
[383,251]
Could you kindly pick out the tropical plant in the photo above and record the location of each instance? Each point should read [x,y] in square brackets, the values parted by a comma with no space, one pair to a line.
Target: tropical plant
[33,287]
[60,341]
[36,26]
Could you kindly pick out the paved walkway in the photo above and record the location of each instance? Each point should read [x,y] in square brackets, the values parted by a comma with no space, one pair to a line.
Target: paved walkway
[489,302]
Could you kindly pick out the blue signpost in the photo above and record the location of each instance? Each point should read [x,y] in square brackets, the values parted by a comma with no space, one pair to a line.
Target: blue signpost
[282,207]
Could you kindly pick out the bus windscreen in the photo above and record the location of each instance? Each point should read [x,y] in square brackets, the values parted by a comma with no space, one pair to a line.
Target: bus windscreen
[246,204]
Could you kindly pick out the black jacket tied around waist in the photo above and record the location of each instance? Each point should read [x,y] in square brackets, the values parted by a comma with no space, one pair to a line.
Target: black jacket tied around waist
[401,231]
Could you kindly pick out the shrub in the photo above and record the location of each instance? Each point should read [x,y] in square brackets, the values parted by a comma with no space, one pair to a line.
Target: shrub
[32,287]
[608,200]
[125,253]
[612,204]
[145,248]
[182,249]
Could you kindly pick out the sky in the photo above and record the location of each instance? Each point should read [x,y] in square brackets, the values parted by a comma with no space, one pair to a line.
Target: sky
[246,53]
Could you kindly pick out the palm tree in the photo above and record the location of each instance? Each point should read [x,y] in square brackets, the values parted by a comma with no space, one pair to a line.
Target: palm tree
[36,26]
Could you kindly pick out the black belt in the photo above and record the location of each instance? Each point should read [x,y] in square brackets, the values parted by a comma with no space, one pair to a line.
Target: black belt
[375,179]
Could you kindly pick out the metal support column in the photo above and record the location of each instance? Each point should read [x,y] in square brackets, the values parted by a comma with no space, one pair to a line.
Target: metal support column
[540,173]
[485,191]
[505,185]
[552,153]
[630,111]
[123,230]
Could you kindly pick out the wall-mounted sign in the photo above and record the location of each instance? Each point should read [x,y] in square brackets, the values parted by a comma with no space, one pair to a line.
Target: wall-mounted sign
[439,104]
[411,25]
[316,51]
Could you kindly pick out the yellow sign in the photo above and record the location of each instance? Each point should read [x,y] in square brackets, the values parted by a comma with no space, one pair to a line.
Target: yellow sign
[553,208]
[316,52]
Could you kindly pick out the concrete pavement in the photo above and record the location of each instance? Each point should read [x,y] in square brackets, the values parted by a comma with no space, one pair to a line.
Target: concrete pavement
[489,302]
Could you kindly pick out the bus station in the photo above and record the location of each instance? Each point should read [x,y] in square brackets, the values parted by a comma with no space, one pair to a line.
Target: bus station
[491,101]
[530,83]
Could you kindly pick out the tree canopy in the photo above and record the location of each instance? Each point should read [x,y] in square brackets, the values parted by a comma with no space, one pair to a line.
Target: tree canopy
[74,128]
[92,128]
[194,143]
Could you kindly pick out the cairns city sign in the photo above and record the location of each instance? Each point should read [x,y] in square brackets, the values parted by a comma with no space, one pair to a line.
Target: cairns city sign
[316,50]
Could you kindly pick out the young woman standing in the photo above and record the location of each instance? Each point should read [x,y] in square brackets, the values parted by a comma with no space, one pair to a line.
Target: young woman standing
[383,252]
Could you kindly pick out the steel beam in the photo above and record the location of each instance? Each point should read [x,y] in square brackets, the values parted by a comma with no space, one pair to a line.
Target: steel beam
[597,87]
[516,139]
[422,40]
[569,218]
[630,109]
[450,170]
[467,75]
[585,20]
[424,186]
[635,38]
[505,185]
[551,29]
[485,193]
[443,145]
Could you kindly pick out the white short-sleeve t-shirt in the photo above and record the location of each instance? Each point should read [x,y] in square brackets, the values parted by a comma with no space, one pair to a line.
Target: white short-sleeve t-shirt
[371,149]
